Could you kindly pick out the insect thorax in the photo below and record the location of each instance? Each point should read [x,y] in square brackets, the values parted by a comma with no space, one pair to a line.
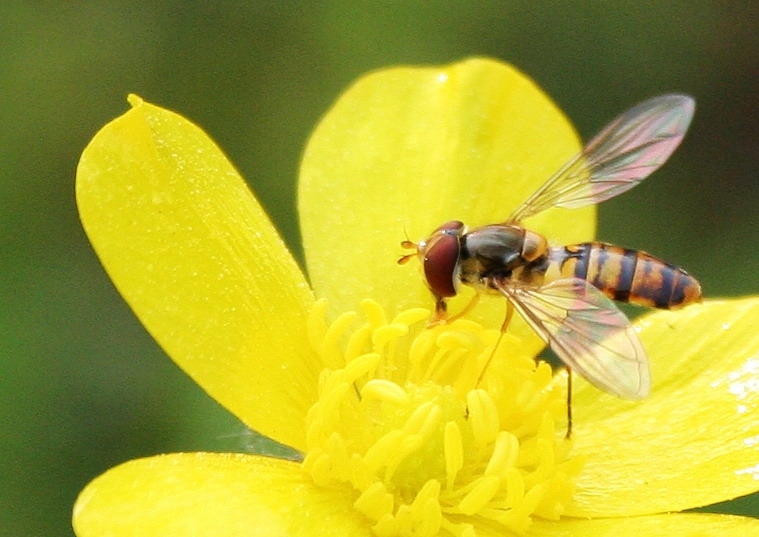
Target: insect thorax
[501,252]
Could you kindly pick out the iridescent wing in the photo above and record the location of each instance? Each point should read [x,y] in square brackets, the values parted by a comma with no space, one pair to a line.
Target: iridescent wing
[588,333]
[624,153]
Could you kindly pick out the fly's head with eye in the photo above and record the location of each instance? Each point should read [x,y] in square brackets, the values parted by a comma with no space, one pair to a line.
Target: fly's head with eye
[440,254]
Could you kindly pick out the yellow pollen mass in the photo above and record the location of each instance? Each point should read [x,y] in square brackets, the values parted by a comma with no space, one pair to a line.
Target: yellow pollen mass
[403,420]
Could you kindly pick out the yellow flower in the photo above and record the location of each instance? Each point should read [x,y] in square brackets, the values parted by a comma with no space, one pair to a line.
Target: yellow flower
[398,438]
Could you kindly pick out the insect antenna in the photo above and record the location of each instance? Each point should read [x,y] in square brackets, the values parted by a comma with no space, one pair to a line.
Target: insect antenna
[407,244]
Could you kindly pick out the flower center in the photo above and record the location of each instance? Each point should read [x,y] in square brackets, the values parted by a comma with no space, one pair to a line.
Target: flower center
[429,448]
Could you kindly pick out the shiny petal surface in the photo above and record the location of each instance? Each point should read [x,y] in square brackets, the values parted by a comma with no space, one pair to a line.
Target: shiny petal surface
[194,255]
[677,524]
[212,494]
[406,149]
[695,440]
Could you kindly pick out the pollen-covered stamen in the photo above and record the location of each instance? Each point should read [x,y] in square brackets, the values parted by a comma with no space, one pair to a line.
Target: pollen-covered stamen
[402,421]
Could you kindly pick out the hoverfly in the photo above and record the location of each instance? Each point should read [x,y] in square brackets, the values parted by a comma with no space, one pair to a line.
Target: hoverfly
[566,293]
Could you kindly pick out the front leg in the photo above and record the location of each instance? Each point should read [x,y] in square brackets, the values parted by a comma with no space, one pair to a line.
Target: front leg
[441,315]
[441,312]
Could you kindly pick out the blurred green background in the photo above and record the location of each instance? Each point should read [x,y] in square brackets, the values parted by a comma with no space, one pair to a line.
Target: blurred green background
[83,387]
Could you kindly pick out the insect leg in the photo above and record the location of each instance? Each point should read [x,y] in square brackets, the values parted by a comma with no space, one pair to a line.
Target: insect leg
[569,404]
[469,307]
[441,312]
[504,327]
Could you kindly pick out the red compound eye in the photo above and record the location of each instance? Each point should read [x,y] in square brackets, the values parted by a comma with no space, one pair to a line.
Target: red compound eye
[441,255]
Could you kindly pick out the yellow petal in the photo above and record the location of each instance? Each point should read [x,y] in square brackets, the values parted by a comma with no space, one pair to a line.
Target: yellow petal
[406,149]
[678,524]
[695,440]
[194,255]
[212,494]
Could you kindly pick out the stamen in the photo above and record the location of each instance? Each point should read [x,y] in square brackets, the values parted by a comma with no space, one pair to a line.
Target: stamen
[453,452]
[483,416]
[483,491]
[384,390]
[403,423]
[330,344]
[504,455]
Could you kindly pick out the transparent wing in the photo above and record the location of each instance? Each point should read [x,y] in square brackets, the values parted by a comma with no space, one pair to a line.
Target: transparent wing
[624,153]
[588,332]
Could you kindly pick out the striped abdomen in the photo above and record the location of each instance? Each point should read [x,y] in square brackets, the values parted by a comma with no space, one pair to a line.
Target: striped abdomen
[626,275]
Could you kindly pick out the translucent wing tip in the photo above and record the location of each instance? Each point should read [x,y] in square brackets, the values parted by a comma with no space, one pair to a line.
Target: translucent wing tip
[641,390]
[683,107]
[679,99]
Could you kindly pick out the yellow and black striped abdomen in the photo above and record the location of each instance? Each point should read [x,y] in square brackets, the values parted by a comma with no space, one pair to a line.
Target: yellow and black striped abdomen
[627,275]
